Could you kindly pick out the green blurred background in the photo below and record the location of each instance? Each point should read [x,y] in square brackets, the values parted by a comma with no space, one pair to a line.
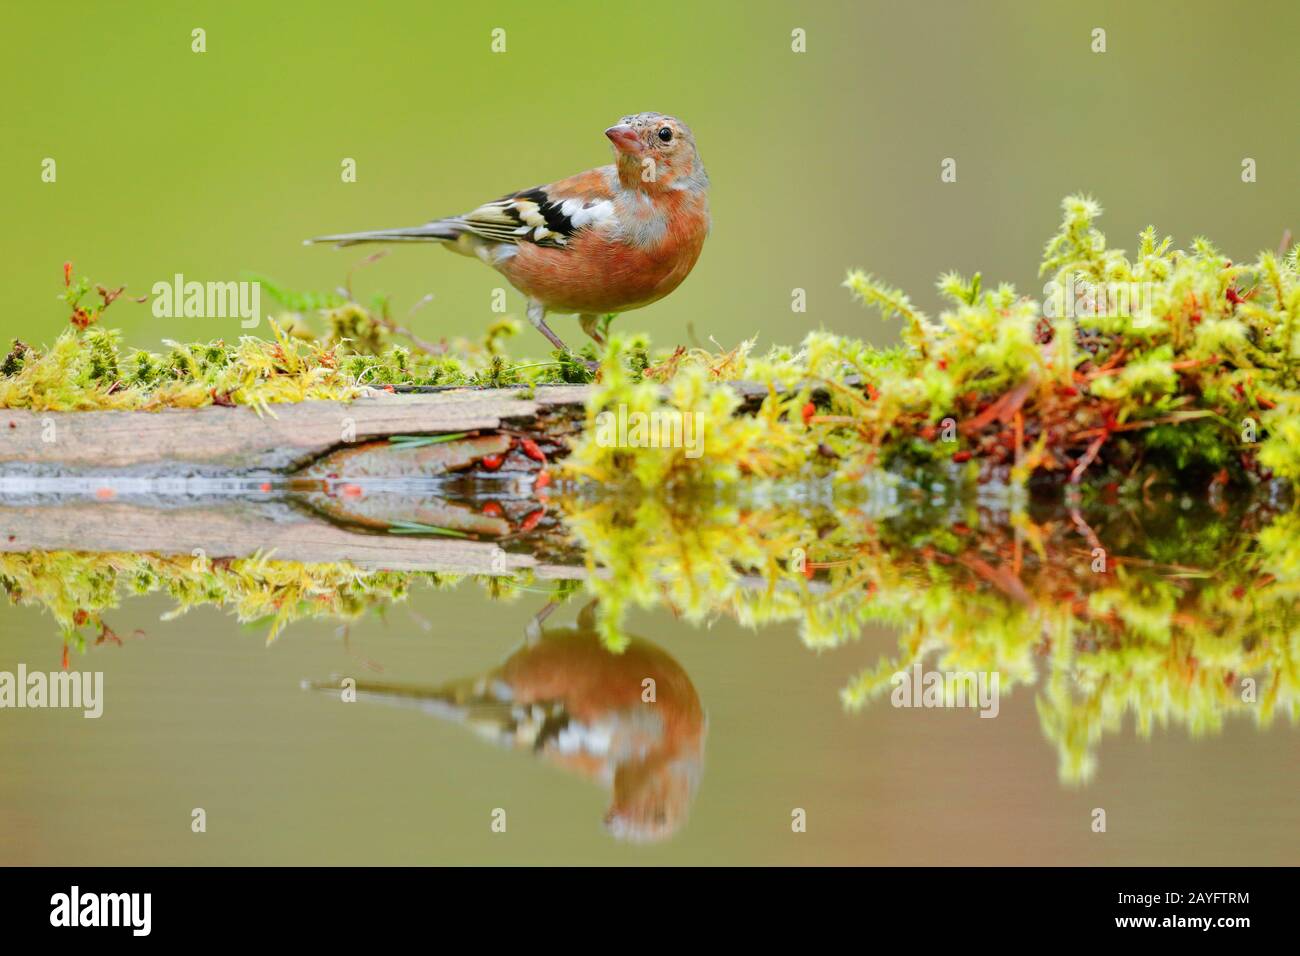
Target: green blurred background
[217,165]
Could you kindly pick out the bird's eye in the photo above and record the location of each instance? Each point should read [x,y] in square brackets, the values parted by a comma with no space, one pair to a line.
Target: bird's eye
[665,134]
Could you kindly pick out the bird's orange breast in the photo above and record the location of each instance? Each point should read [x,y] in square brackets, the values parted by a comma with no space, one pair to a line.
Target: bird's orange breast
[602,271]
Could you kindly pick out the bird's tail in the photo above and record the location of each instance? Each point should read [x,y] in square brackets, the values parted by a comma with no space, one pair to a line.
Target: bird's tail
[484,704]
[445,700]
[440,231]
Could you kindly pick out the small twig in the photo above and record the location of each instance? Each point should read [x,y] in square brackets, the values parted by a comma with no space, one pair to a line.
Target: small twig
[386,322]
[424,300]
[1171,419]
[1019,424]
[1003,408]
[1084,529]
[423,346]
[373,257]
[1088,458]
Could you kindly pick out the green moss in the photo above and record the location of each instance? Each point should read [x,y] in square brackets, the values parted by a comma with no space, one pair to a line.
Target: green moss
[1179,353]
[78,588]
[356,347]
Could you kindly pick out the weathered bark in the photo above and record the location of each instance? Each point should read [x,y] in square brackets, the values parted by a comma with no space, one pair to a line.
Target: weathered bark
[242,529]
[245,529]
[216,438]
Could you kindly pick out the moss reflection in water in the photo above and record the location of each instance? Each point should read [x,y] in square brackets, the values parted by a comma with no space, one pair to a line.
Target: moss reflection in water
[260,591]
[1183,615]
[1173,612]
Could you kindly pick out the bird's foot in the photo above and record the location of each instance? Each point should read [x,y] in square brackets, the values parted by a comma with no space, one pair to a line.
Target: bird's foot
[595,326]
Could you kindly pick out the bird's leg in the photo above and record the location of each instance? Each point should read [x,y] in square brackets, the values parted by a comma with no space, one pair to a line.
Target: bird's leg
[537,315]
[533,631]
[587,616]
[589,321]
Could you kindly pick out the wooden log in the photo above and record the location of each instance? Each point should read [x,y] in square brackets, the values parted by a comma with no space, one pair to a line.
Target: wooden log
[220,439]
[283,438]
[243,529]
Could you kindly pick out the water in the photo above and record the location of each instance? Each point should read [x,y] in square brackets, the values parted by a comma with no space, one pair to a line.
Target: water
[200,712]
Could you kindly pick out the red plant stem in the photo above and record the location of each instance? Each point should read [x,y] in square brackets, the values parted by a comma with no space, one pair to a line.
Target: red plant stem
[1085,529]
[1088,458]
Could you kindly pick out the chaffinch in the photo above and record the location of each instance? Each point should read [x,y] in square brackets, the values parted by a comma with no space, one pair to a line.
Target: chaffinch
[610,239]
[567,698]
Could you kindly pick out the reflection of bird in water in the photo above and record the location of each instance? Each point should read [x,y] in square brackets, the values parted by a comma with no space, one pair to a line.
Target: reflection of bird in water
[569,699]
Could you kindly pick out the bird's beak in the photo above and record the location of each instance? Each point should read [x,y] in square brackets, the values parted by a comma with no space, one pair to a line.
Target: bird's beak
[624,138]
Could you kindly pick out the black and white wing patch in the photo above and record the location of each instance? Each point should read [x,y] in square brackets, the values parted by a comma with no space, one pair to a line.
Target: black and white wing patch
[532,216]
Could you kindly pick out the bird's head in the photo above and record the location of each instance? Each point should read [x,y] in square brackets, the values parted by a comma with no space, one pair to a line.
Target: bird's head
[656,152]
[652,799]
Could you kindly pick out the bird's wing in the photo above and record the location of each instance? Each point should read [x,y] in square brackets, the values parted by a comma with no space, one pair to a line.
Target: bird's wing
[545,215]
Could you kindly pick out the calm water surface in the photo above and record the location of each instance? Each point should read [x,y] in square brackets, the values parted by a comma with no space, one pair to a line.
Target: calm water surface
[750,726]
